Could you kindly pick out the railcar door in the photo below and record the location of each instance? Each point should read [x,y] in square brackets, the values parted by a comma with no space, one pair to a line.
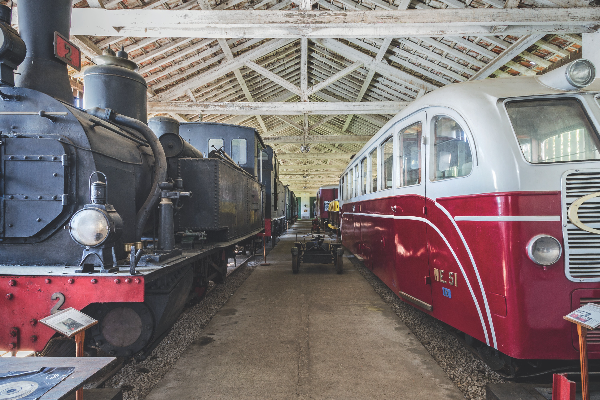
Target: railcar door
[408,210]
[450,156]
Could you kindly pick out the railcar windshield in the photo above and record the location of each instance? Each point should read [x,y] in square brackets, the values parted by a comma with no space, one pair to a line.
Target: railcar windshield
[553,130]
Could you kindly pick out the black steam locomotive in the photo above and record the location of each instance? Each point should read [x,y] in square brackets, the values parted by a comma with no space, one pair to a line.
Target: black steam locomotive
[96,212]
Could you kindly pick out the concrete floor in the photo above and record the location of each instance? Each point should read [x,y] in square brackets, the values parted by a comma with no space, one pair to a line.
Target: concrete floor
[314,335]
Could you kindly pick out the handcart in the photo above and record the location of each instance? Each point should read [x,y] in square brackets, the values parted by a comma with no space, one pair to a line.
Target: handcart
[317,251]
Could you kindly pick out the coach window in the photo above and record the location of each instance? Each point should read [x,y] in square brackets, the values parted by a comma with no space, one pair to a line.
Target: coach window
[363,175]
[238,151]
[409,146]
[215,144]
[451,153]
[373,157]
[387,152]
[356,183]
[350,183]
[342,189]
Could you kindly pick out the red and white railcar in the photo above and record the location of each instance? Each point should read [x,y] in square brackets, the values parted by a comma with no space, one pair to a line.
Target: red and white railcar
[325,195]
[460,205]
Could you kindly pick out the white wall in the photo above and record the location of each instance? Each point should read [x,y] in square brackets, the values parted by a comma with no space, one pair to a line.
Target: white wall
[305,210]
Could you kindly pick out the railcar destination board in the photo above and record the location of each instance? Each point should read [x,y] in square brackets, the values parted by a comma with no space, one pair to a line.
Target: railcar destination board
[588,316]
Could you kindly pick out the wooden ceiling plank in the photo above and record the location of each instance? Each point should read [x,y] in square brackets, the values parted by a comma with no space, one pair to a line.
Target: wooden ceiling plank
[224,68]
[514,50]
[275,78]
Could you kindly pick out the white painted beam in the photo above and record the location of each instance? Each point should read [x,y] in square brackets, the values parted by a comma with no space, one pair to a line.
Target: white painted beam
[319,139]
[314,156]
[286,108]
[324,24]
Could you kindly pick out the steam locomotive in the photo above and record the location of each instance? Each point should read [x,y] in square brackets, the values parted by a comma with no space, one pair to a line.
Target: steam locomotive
[97,212]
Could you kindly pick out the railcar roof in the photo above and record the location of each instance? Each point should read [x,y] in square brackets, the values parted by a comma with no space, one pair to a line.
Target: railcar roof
[461,97]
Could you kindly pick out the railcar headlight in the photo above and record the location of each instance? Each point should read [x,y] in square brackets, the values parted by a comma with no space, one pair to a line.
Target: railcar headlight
[581,73]
[90,227]
[544,250]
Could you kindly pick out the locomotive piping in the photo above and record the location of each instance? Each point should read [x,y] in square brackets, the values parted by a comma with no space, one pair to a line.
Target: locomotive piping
[160,160]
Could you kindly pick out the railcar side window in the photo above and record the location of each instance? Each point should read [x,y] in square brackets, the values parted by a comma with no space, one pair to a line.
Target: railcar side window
[238,151]
[363,175]
[356,180]
[387,151]
[373,157]
[215,144]
[451,153]
[351,183]
[553,130]
[409,155]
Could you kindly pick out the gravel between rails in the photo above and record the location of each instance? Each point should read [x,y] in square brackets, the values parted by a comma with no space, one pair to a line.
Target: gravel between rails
[137,379]
[467,372]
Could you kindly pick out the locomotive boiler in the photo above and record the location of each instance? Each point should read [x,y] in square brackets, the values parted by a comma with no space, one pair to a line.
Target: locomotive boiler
[93,214]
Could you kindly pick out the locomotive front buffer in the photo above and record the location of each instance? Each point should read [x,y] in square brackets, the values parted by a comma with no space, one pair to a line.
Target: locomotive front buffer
[316,251]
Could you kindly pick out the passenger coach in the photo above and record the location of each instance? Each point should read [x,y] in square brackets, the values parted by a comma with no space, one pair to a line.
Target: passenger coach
[463,205]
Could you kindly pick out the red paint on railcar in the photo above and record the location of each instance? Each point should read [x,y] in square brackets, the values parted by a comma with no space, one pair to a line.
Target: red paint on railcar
[498,295]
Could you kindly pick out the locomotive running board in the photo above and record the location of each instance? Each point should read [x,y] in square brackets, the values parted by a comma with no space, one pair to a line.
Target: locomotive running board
[415,301]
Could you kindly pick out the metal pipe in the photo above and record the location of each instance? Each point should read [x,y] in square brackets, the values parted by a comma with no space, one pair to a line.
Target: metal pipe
[166,225]
[160,161]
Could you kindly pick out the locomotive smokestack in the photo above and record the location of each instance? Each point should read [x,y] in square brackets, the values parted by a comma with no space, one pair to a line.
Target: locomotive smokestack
[41,70]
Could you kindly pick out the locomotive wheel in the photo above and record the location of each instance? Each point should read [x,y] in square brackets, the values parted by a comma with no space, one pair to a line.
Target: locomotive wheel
[123,328]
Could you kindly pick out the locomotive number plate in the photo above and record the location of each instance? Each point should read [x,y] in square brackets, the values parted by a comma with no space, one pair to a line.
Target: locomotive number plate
[67,51]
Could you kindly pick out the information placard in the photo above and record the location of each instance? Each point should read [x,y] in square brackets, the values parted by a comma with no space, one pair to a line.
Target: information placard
[587,315]
[69,321]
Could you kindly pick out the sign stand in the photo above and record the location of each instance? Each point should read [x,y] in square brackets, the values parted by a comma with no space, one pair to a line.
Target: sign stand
[71,322]
[586,317]
[583,360]
[265,250]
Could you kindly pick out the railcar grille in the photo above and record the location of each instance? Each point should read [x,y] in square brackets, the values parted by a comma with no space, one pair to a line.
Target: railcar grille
[593,337]
[582,249]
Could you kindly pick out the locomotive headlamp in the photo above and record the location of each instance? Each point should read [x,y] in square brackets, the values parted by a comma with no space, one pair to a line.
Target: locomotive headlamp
[544,250]
[97,226]
[90,227]
[573,76]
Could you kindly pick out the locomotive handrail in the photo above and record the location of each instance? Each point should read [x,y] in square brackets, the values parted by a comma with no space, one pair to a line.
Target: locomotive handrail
[574,215]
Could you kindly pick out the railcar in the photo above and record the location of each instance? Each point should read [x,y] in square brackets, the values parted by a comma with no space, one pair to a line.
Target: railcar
[80,220]
[325,195]
[275,200]
[478,204]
